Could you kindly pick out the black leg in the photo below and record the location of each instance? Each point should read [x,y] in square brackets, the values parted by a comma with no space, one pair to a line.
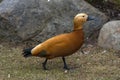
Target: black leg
[65,65]
[82,51]
[44,64]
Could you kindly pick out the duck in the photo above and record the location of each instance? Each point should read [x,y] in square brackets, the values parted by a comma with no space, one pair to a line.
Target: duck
[61,45]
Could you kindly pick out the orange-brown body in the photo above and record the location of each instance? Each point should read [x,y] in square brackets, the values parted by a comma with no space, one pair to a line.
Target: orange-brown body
[61,45]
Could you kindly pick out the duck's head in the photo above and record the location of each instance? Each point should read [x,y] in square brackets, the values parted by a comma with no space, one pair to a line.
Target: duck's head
[80,19]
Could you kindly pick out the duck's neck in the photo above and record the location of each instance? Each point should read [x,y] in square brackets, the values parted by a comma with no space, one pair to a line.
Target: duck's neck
[78,34]
[76,27]
[78,30]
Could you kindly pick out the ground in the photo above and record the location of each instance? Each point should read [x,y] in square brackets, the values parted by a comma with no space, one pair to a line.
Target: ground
[95,64]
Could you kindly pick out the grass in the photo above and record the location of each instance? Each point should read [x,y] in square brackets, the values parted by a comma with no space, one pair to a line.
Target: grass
[99,64]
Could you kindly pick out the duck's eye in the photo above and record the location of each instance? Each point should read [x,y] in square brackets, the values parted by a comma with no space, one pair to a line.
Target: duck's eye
[83,16]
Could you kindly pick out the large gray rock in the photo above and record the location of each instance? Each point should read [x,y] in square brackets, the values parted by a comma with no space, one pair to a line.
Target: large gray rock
[37,20]
[110,35]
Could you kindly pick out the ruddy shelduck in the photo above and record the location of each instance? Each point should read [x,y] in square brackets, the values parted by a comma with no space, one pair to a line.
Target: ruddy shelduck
[61,45]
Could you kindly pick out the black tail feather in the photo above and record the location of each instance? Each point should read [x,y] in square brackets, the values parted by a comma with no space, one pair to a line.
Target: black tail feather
[27,52]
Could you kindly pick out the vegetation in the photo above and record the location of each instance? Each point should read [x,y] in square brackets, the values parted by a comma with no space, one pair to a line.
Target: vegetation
[110,7]
[0,0]
[103,1]
[99,64]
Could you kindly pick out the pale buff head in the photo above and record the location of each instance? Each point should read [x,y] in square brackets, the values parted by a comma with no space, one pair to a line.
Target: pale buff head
[79,20]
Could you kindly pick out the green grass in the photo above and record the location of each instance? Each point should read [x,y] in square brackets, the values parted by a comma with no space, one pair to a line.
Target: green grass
[93,66]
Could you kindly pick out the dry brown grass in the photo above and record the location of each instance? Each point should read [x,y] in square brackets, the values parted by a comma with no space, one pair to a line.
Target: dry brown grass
[99,64]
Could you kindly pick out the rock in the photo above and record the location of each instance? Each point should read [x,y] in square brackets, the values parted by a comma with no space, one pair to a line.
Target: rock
[110,35]
[37,20]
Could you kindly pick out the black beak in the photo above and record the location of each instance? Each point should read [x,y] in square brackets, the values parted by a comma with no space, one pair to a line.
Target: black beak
[90,18]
